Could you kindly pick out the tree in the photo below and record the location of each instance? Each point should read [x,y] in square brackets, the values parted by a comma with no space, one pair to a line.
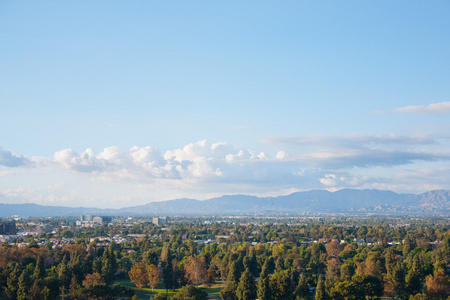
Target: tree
[74,288]
[347,290]
[438,286]
[195,269]
[302,289]
[210,277]
[371,285]
[413,279]
[168,274]
[397,279]
[109,265]
[229,292]
[24,286]
[321,293]
[35,291]
[39,270]
[159,296]
[190,292]
[154,276]
[246,289]
[280,285]
[12,283]
[138,275]
[233,273]
[93,279]
[264,292]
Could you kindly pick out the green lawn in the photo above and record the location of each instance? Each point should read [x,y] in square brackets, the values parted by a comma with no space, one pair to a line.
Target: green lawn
[146,293]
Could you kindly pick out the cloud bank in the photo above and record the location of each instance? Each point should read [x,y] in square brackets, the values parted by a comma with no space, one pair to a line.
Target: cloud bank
[203,168]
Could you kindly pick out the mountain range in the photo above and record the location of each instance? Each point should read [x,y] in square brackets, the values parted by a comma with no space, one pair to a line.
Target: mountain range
[315,201]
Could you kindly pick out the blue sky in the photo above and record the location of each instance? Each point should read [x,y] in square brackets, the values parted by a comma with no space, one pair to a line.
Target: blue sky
[116,103]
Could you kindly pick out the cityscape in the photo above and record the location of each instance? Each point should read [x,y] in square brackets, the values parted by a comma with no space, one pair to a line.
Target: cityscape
[234,150]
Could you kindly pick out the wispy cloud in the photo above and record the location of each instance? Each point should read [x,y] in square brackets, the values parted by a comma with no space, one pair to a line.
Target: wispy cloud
[433,108]
[351,140]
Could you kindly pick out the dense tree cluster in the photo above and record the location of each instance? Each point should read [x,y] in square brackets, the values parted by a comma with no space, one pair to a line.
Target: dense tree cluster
[311,258]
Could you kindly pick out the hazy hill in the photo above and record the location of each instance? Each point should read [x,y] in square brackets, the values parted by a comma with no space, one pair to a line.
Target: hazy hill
[343,201]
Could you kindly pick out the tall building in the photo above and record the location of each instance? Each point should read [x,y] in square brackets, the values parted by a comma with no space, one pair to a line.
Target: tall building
[87,218]
[102,220]
[8,228]
[158,221]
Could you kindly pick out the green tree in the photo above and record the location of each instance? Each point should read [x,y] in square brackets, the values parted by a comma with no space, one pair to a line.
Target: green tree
[24,286]
[371,285]
[397,279]
[190,292]
[413,279]
[229,292]
[168,274]
[12,283]
[233,273]
[347,290]
[246,289]
[39,270]
[321,293]
[302,289]
[264,292]
[280,285]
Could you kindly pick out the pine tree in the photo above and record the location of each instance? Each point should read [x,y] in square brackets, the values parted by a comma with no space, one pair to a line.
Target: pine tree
[246,289]
[39,270]
[264,292]
[12,283]
[168,272]
[108,263]
[413,279]
[397,279]
[233,273]
[302,289]
[280,285]
[63,272]
[24,286]
[321,293]
[229,292]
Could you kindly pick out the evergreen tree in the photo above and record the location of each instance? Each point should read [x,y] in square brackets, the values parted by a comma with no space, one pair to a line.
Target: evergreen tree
[264,292]
[224,264]
[12,283]
[302,289]
[229,292]
[321,293]
[39,270]
[108,266]
[413,279]
[246,289]
[233,273]
[279,264]
[397,279]
[24,286]
[168,278]
[280,285]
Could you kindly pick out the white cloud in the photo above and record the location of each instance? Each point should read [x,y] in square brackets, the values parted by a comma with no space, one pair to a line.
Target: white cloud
[433,108]
[197,169]
[10,159]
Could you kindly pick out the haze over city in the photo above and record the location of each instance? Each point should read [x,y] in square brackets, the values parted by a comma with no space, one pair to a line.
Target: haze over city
[120,103]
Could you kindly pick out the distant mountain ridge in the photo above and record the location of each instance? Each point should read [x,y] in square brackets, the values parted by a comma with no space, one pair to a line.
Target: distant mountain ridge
[314,201]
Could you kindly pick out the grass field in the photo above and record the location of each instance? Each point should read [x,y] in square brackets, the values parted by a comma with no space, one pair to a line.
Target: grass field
[146,293]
